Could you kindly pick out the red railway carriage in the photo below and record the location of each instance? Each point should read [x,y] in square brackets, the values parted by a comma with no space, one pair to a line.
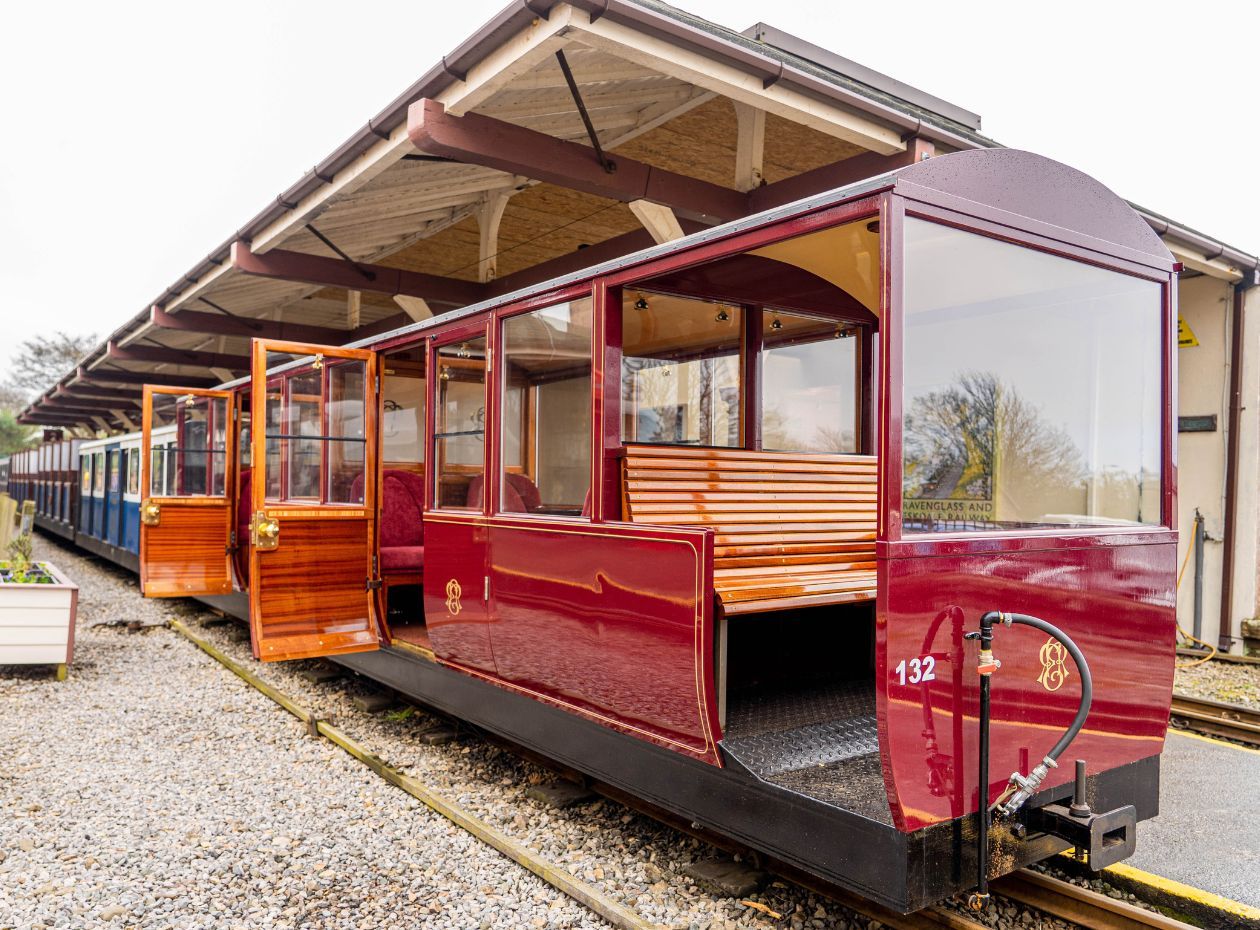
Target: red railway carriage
[718,523]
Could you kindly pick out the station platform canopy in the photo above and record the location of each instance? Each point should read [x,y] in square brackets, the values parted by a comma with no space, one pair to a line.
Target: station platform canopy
[558,136]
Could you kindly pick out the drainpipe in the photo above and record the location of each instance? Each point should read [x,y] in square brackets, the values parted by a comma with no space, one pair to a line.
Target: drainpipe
[1237,329]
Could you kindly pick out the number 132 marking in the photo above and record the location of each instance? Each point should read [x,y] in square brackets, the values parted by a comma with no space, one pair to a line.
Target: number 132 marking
[917,671]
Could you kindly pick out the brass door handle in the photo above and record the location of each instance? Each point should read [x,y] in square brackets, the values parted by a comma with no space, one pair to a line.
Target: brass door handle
[265,531]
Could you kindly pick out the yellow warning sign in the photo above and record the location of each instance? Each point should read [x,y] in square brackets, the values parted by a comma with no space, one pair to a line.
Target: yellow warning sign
[1185,335]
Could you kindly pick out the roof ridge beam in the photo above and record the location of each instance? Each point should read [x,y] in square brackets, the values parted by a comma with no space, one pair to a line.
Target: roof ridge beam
[483,140]
[284,265]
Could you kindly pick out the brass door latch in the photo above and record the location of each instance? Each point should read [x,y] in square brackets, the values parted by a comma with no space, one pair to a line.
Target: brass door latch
[150,512]
[264,531]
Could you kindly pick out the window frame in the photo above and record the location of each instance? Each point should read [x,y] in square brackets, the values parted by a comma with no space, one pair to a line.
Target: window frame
[499,394]
[433,470]
[994,224]
[279,384]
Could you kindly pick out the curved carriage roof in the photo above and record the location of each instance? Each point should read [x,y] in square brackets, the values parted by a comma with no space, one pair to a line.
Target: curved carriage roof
[1042,190]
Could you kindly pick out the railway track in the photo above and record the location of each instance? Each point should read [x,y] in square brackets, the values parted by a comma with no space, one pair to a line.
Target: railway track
[1231,721]
[1081,906]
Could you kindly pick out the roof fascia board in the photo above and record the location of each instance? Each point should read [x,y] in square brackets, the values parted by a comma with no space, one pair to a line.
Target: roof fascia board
[538,40]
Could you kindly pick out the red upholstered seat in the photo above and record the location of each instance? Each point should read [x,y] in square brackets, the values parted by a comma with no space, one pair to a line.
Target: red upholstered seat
[244,505]
[520,494]
[402,558]
[402,506]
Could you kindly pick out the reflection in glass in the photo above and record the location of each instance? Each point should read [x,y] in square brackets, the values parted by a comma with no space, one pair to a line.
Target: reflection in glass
[273,405]
[402,402]
[347,432]
[301,425]
[1032,388]
[193,463]
[808,384]
[133,471]
[459,439]
[547,410]
[680,372]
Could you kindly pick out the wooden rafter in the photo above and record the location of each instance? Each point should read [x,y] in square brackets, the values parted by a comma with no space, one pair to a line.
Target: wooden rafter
[333,272]
[487,141]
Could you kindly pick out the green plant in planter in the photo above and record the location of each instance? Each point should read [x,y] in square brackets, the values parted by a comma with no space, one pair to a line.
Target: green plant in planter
[20,569]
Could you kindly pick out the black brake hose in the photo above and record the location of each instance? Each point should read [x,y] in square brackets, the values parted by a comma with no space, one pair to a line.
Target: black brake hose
[1021,787]
[1087,681]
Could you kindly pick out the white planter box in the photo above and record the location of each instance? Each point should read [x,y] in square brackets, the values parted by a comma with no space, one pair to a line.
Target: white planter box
[37,621]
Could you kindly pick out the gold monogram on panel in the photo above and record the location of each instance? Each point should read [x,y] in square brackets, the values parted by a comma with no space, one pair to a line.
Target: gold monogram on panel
[1054,670]
[453,592]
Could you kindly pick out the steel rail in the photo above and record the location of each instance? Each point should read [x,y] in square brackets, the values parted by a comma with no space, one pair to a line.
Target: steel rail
[1081,906]
[1231,721]
[557,877]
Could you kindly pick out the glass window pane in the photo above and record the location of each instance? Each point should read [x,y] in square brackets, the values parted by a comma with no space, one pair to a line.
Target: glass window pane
[347,425]
[85,479]
[809,377]
[188,445]
[680,370]
[402,422]
[459,449]
[98,474]
[1033,387]
[301,430]
[115,471]
[547,411]
[133,471]
[273,471]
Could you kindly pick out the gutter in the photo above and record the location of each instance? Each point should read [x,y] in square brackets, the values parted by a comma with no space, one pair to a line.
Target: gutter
[1211,248]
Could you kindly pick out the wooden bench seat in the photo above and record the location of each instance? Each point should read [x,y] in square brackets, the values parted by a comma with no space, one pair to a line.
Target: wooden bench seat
[790,529]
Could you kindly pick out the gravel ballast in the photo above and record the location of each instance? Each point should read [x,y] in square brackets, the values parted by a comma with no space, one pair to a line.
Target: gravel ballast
[1233,683]
[156,789]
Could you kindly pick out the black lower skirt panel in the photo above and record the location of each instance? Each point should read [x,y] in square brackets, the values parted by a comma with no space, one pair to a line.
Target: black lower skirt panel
[904,871]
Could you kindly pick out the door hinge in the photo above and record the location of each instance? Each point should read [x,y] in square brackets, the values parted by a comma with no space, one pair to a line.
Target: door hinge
[373,584]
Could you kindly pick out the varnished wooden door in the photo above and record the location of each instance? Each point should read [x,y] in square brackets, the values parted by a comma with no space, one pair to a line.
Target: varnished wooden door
[185,513]
[312,553]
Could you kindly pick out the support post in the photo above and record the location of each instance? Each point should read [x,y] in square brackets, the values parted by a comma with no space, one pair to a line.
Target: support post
[415,307]
[489,216]
[750,146]
[658,220]
[354,308]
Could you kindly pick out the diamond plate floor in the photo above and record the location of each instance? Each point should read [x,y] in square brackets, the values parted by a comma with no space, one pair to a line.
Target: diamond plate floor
[819,740]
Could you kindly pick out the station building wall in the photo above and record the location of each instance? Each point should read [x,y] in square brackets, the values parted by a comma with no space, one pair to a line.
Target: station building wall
[1206,306]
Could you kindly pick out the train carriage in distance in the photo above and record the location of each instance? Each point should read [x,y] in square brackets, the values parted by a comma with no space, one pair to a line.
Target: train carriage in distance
[738,524]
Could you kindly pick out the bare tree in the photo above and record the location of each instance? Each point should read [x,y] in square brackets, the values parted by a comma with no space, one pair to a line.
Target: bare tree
[39,362]
[955,437]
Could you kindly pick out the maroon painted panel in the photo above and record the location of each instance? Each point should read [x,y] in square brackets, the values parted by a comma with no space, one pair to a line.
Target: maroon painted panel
[454,590]
[614,621]
[1115,600]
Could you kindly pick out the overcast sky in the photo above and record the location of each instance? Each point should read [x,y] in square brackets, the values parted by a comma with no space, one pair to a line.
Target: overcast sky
[137,136]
